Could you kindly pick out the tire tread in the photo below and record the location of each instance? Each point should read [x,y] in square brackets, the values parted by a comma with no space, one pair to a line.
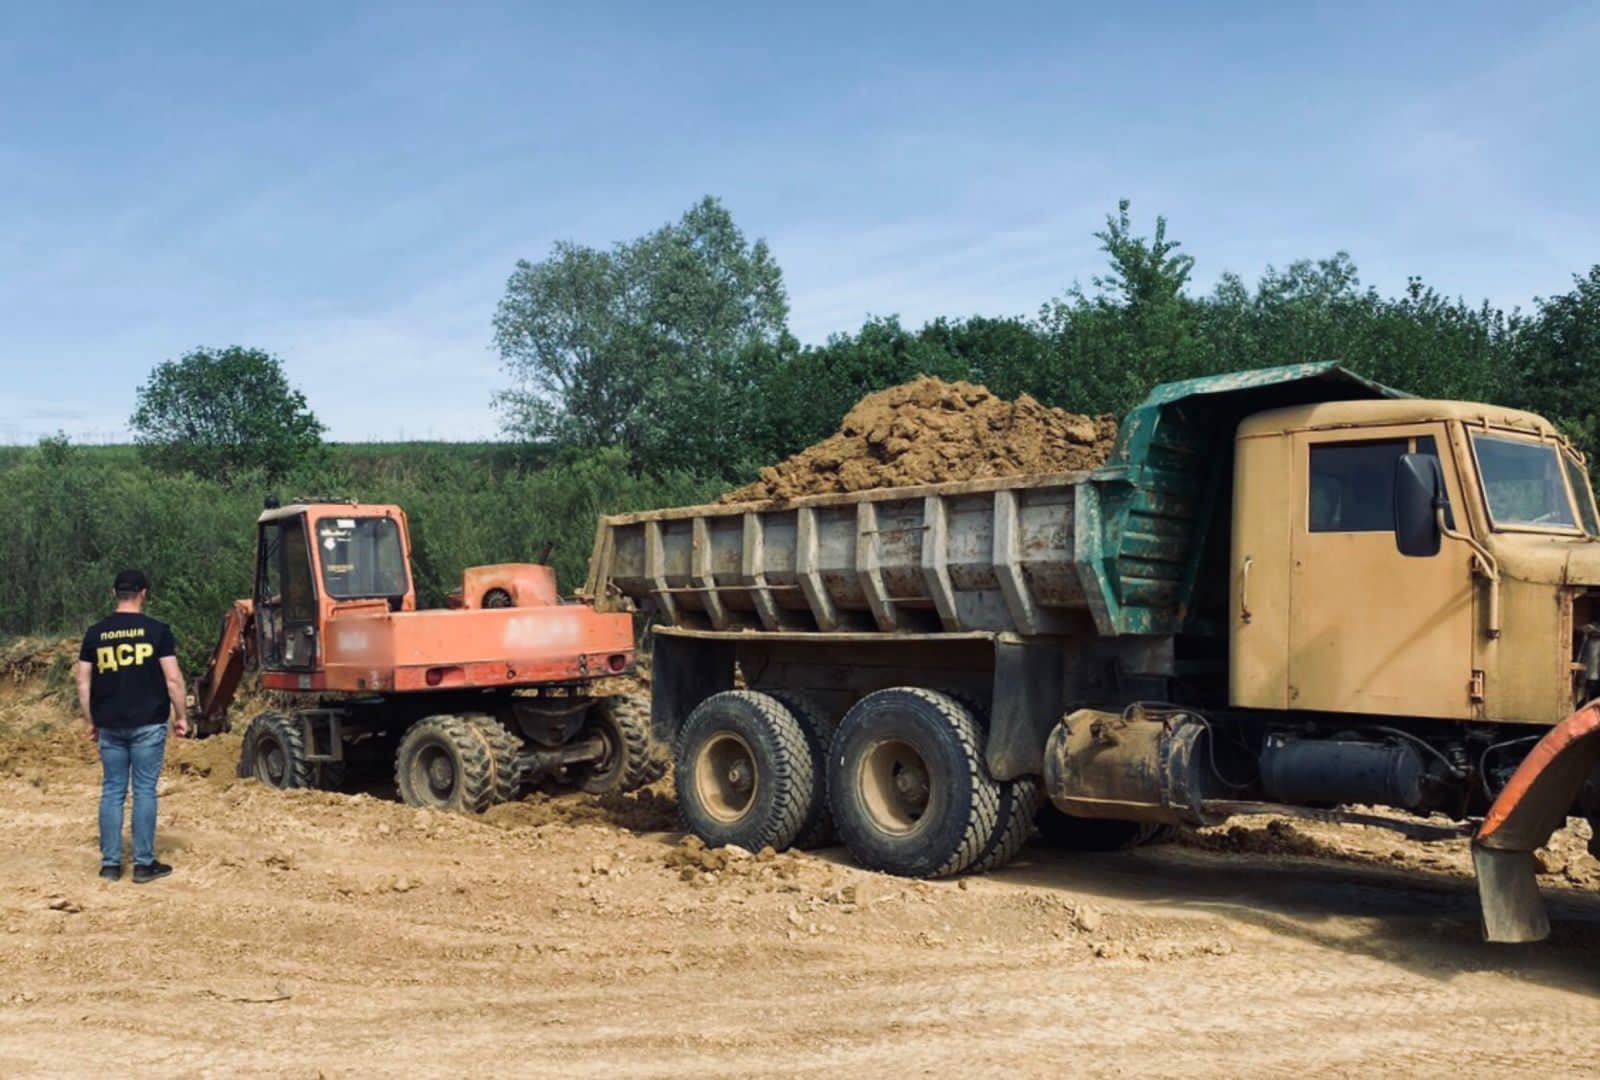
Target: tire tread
[817,831]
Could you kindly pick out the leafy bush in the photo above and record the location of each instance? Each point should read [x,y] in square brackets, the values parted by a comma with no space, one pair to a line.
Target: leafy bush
[76,515]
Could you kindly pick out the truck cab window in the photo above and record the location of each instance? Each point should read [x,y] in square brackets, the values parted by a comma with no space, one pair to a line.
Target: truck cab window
[1352,483]
[1523,482]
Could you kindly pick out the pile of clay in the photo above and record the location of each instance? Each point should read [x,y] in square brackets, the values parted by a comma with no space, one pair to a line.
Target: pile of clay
[929,431]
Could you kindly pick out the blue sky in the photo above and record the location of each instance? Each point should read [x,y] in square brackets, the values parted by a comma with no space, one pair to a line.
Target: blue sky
[348,185]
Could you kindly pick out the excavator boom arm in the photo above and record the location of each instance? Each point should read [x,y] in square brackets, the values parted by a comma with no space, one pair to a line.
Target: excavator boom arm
[213,690]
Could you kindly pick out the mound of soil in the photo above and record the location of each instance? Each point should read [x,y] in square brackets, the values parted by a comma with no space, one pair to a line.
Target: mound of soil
[929,431]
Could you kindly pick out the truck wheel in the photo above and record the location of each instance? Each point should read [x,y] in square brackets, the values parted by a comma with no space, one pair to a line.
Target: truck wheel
[630,761]
[274,752]
[817,830]
[907,784]
[448,762]
[1073,833]
[743,772]
[1019,805]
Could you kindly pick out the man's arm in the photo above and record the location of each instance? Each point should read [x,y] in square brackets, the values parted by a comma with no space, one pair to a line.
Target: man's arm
[179,696]
[85,670]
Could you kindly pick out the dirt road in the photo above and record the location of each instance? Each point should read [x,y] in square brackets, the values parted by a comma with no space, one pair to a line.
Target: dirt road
[315,934]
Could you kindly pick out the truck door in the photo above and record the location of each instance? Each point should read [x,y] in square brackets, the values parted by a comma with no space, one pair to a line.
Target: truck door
[1371,631]
[286,599]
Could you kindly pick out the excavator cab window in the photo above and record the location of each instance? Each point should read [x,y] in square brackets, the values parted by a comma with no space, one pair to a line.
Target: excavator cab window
[362,558]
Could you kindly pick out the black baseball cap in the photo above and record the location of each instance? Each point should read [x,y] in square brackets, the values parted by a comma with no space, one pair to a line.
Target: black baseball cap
[131,581]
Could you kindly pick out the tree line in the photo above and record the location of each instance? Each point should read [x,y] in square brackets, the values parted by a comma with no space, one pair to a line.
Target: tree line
[675,346]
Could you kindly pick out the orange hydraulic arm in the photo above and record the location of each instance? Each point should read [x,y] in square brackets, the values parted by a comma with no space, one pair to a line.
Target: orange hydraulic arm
[1534,803]
[213,689]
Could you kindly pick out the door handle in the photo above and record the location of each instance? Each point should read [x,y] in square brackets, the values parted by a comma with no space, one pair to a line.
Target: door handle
[1244,590]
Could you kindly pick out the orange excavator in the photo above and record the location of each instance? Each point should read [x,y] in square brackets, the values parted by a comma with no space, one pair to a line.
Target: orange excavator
[474,702]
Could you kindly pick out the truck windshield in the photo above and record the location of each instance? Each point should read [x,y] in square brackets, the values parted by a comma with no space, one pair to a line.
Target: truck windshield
[1578,477]
[361,557]
[1523,483]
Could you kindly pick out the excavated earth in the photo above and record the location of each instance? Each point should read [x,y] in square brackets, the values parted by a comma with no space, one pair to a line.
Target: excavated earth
[929,431]
[310,934]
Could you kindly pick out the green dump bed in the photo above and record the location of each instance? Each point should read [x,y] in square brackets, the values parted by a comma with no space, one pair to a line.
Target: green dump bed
[1137,546]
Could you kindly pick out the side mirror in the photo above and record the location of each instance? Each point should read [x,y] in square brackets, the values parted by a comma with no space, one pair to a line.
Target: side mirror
[1418,497]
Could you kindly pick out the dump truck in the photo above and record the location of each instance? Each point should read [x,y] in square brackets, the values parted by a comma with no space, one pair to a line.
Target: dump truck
[473,702]
[1289,591]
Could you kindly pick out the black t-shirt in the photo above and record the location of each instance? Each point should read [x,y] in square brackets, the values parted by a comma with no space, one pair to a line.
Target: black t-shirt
[127,688]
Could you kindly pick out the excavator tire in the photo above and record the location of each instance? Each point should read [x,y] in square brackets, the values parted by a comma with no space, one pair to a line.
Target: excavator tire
[817,830]
[274,753]
[506,749]
[743,772]
[908,786]
[631,760]
[448,763]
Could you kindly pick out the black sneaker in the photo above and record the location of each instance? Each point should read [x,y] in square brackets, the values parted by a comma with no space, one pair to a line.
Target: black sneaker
[112,872]
[149,872]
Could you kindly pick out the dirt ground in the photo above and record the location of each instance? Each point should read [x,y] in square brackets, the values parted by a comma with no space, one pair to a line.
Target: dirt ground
[317,934]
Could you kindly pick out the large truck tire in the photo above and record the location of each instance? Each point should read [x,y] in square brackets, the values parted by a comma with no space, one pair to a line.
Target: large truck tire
[631,761]
[274,752]
[743,772]
[449,763]
[1020,800]
[817,830]
[1073,833]
[907,784]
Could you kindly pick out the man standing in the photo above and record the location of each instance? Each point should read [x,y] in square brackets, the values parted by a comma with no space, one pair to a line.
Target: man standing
[128,680]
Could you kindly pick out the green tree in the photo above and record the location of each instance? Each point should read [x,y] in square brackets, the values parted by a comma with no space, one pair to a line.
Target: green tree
[1008,355]
[1421,342]
[221,412]
[657,345]
[1136,330]
[1558,361]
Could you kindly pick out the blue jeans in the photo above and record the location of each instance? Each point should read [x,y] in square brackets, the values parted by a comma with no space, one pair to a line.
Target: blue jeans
[122,751]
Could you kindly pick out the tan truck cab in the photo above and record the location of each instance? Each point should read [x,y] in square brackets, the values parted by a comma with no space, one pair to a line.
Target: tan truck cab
[1487,618]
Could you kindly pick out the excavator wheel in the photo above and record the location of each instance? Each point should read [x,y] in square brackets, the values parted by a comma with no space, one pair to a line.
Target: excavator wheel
[450,763]
[631,760]
[506,748]
[274,752]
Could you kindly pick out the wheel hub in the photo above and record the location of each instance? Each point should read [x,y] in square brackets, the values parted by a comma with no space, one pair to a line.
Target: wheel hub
[725,777]
[895,786]
[275,764]
[440,773]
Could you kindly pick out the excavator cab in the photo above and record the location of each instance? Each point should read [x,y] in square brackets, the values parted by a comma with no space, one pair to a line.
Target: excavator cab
[312,559]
